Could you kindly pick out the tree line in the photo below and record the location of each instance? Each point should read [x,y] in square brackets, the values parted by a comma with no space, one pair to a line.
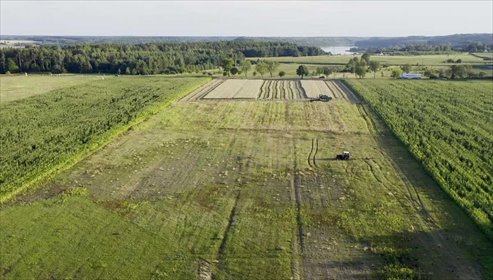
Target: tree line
[142,59]
[360,66]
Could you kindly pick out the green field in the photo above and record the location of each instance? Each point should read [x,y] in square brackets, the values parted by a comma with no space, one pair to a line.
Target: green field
[43,133]
[15,87]
[386,59]
[233,189]
[447,125]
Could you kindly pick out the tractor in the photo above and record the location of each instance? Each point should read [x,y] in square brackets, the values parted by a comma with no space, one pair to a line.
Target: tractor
[343,156]
[322,97]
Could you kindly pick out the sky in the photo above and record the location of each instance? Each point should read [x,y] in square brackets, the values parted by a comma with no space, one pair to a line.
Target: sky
[245,18]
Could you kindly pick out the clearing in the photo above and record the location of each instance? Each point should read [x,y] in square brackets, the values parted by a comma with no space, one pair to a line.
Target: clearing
[14,87]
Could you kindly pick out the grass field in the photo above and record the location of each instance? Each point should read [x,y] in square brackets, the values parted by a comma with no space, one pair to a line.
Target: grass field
[245,190]
[447,125]
[14,87]
[386,59]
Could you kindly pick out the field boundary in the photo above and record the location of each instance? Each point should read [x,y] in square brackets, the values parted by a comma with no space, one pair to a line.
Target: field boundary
[202,91]
[105,139]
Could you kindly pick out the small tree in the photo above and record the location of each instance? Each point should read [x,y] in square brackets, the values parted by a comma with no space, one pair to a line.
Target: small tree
[366,58]
[282,74]
[254,73]
[396,73]
[234,71]
[12,66]
[227,64]
[261,68]
[272,66]
[374,67]
[353,63]
[245,66]
[302,71]
[361,69]
[327,71]
[459,71]
[429,74]
[406,68]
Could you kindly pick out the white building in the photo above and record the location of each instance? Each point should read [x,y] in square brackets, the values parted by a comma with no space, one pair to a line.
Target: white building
[411,76]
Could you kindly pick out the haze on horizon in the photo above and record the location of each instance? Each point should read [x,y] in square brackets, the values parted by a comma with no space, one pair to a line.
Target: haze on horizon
[245,18]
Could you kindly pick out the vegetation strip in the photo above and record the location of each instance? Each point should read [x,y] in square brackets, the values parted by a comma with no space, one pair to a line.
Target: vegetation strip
[456,151]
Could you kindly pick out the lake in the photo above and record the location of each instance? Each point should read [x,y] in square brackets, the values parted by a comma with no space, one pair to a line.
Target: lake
[340,50]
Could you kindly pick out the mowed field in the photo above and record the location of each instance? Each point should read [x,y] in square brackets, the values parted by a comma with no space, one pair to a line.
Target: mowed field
[14,87]
[242,189]
[272,89]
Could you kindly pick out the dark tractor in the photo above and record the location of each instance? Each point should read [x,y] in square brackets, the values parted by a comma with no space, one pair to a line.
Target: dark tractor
[323,98]
[343,156]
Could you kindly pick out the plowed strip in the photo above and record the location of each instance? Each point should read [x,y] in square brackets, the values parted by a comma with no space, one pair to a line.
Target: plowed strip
[344,89]
[202,91]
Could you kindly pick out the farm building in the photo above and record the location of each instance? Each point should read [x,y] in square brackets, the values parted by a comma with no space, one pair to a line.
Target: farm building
[410,76]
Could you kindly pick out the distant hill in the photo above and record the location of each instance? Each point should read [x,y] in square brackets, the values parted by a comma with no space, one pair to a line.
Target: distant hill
[70,40]
[455,40]
[310,41]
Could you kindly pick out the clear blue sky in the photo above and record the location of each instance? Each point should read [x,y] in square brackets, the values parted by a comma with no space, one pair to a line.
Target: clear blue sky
[245,18]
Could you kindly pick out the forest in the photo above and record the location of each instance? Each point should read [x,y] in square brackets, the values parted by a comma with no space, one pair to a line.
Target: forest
[141,59]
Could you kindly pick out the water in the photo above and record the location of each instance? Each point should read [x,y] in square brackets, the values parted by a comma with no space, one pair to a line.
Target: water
[341,50]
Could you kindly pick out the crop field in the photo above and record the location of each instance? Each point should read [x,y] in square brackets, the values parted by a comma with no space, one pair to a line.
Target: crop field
[272,89]
[241,189]
[43,133]
[385,59]
[14,87]
[448,126]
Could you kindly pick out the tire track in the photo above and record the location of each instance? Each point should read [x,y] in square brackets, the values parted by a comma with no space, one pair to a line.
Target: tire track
[413,194]
[315,154]
[298,244]
[227,232]
[301,90]
[262,91]
[335,93]
[353,98]
[309,159]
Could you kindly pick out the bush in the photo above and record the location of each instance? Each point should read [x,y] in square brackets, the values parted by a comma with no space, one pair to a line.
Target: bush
[396,73]
[395,271]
